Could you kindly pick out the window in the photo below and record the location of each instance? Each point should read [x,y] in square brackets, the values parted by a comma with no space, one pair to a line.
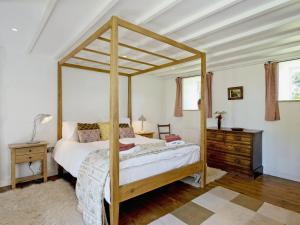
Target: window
[191,87]
[289,81]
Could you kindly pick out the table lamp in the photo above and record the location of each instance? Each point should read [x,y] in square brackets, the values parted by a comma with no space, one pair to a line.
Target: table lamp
[142,118]
[40,118]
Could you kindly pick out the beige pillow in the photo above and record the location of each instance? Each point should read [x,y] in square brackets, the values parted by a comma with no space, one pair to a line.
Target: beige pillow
[104,130]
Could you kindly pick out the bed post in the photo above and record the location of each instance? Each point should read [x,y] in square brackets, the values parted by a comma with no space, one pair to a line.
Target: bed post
[114,125]
[203,117]
[59,102]
[129,107]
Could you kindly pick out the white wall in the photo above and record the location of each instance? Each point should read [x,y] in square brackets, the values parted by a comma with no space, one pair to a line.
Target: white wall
[147,99]
[28,86]
[281,142]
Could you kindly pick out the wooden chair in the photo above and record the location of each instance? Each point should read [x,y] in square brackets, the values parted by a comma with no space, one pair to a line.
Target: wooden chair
[163,129]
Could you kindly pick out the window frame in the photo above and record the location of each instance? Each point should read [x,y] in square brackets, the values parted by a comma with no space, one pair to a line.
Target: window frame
[285,101]
[190,110]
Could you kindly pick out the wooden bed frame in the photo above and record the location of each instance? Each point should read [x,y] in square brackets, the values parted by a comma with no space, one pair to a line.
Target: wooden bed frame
[125,192]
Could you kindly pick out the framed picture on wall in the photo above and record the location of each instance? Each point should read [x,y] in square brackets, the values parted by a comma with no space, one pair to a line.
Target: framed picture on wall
[235,93]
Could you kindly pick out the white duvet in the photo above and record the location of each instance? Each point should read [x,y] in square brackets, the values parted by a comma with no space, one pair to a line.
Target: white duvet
[70,154]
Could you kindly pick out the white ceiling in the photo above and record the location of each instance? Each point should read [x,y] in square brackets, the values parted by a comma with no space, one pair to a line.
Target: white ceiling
[232,32]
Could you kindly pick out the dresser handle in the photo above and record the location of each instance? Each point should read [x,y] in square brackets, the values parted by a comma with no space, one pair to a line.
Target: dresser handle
[237,149]
[29,150]
[238,138]
[237,161]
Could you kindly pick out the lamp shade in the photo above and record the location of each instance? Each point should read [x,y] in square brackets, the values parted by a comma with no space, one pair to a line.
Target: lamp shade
[45,118]
[142,118]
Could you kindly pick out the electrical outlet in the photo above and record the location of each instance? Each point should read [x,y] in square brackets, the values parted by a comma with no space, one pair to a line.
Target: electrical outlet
[50,149]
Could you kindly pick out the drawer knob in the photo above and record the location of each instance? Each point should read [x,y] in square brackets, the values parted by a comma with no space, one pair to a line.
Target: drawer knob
[30,150]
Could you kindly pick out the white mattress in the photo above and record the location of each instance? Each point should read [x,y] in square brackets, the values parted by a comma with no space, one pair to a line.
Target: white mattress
[70,154]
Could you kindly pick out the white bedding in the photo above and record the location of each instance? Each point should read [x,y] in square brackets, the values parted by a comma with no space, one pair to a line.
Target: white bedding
[70,154]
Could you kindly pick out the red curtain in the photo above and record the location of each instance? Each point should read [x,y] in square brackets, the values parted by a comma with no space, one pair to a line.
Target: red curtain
[209,77]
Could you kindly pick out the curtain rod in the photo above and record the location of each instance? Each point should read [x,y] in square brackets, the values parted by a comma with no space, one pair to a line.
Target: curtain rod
[279,61]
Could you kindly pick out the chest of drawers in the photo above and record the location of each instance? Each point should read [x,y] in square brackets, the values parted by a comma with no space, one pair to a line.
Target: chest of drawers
[235,151]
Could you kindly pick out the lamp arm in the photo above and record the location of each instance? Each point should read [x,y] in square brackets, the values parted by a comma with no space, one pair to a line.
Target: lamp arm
[34,129]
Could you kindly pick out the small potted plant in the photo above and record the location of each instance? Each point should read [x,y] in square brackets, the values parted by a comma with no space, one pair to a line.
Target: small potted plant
[219,116]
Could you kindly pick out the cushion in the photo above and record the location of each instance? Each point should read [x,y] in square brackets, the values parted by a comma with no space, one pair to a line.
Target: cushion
[104,130]
[87,126]
[124,147]
[122,125]
[86,136]
[69,131]
[170,138]
[127,132]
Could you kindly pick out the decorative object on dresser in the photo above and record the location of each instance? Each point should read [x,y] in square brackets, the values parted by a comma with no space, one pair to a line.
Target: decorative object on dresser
[28,153]
[235,151]
[219,116]
[142,118]
[148,134]
[40,118]
[235,93]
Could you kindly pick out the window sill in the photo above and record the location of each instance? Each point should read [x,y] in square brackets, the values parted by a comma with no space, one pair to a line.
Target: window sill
[288,101]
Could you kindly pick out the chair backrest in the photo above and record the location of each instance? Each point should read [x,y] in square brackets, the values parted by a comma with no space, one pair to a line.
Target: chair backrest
[163,129]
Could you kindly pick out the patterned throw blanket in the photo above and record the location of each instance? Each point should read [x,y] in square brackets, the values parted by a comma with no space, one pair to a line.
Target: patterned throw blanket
[93,174]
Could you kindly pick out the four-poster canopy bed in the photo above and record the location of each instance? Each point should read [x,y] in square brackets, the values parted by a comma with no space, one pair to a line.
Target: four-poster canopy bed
[112,67]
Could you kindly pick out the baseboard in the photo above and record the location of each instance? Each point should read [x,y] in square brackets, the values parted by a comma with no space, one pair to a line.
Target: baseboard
[282,175]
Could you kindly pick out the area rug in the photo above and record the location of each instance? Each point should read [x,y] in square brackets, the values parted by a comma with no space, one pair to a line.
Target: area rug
[221,206]
[51,203]
[212,175]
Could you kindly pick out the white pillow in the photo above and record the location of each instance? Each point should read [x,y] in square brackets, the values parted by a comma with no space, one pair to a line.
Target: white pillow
[69,131]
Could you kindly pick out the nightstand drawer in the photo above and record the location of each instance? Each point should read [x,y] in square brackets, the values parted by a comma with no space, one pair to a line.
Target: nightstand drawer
[32,150]
[29,157]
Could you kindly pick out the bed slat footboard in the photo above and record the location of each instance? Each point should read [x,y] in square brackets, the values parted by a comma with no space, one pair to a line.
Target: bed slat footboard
[139,187]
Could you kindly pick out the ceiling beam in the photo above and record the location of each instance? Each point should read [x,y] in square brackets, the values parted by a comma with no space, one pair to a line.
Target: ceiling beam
[157,11]
[284,37]
[88,29]
[91,38]
[46,17]
[244,16]
[188,59]
[120,57]
[156,36]
[200,15]
[138,49]
[255,31]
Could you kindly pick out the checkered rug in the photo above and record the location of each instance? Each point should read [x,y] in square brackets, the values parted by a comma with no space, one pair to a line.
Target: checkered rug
[221,206]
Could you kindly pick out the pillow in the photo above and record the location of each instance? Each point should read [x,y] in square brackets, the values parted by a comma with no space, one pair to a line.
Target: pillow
[86,136]
[69,131]
[127,132]
[104,130]
[87,126]
[123,125]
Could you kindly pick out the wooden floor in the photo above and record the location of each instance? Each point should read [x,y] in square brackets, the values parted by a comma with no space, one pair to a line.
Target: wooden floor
[148,207]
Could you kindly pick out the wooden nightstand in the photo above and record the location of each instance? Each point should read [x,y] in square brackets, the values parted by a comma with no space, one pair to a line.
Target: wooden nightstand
[26,153]
[148,134]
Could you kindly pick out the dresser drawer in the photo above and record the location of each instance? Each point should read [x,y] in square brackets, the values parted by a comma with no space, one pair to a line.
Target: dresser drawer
[29,157]
[215,136]
[229,159]
[32,150]
[232,148]
[238,138]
